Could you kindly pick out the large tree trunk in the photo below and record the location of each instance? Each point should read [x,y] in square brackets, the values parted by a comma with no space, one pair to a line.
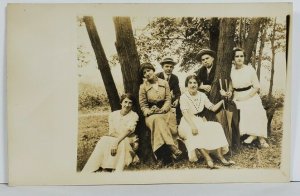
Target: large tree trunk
[239,41]
[223,68]
[273,59]
[103,65]
[214,32]
[262,40]
[224,60]
[254,55]
[241,32]
[130,63]
[128,55]
[252,38]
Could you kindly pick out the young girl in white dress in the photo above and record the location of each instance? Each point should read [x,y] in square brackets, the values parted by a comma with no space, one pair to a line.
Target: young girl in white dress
[117,149]
[253,118]
[200,136]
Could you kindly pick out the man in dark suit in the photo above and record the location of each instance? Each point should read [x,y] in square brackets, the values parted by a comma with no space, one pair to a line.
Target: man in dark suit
[168,66]
[206,76]
[206,73]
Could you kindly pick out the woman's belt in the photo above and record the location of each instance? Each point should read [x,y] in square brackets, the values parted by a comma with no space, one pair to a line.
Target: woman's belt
[242,89]
[200,114]
[158,104]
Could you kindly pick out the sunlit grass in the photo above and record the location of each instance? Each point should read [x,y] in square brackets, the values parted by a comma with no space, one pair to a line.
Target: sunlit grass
[92,127]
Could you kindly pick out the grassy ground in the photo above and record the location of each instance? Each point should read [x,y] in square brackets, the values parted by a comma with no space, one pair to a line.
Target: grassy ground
[91,128]
[93,125]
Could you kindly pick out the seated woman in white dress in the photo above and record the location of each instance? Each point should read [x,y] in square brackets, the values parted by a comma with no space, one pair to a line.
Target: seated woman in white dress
[253,117]
[117,149]
[197,133]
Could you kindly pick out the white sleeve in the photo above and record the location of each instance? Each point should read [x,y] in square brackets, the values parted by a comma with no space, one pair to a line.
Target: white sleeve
[111,128]
[184,105]
[132,121]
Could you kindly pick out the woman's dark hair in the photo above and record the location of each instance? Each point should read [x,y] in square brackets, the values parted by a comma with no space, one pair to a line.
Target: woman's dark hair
[146,66]
[236,50]
[189,78]
[128,96]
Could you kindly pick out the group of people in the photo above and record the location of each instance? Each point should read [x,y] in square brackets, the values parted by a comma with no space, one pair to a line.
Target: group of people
[161,101]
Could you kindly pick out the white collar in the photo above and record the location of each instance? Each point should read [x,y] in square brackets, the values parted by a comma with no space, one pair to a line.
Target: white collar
[191,96]
[209,69]
[166,76]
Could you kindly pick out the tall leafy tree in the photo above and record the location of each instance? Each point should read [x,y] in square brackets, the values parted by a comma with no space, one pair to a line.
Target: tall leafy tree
[181,38]
[130,63]
[103,65]
[262,40]
[251,39]
[224,61]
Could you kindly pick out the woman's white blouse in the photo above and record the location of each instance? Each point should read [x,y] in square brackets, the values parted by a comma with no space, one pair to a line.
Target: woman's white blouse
[244,77]
[194,104]
[119,123]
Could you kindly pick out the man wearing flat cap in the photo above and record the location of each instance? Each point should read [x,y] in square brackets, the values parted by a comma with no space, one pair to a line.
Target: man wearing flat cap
[168,66]
[206,75]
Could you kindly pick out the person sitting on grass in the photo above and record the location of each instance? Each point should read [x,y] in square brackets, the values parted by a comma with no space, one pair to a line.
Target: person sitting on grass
[155,103]
[199,135]
[117,149]
[173,81]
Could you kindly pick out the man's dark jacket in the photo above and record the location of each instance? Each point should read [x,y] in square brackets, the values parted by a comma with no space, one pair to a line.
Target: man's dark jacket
[207,79]
[204,77]
[173,83]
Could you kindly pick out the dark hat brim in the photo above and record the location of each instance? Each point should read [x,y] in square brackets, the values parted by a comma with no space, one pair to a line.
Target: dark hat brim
[170,62]
[205,51]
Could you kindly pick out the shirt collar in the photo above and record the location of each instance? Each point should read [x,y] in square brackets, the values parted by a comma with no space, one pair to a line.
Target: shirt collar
[209,69]
[166,76]
[160,83]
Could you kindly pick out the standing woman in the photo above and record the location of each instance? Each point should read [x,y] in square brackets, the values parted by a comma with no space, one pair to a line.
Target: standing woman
[197,133]
[155,102]
[117,150]
[253,118]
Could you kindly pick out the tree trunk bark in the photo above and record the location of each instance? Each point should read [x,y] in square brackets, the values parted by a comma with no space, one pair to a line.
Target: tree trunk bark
[243,30]
[223,69]
[130,64]
[214,32]
[254,55]
[103,65]
[239,42]
[128,55]
[261,47]
[224,59]
[273,60]
[252,38]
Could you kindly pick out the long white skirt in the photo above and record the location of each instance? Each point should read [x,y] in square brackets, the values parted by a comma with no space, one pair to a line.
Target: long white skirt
[210,136]
[253,117]
[101,156]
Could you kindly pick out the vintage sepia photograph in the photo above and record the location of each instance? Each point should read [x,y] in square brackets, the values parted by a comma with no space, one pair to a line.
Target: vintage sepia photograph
[173,93]
[148,93]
